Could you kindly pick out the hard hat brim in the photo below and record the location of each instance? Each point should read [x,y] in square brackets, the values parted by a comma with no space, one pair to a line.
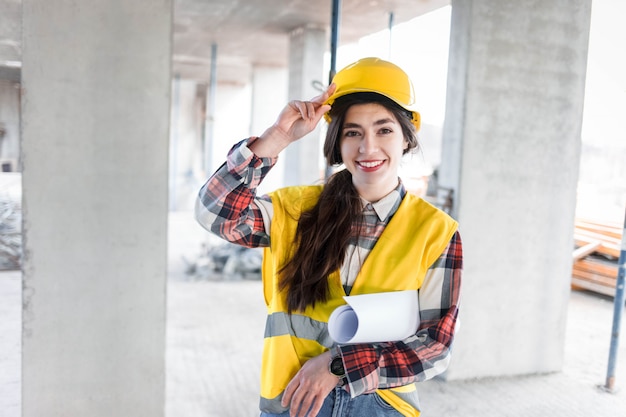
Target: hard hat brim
[416,119]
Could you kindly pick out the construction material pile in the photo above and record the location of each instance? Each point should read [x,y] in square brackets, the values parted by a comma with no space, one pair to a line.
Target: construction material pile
[10,234]
[596,256]
[225,262]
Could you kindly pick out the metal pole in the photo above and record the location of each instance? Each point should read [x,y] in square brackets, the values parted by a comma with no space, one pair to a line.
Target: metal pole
[334,41]
[210,117]
[617,313]
[334,38]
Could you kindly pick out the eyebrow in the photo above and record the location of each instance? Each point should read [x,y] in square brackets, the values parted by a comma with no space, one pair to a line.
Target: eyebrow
[376,123]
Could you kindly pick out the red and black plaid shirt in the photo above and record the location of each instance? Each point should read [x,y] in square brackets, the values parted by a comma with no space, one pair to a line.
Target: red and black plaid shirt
[228,206]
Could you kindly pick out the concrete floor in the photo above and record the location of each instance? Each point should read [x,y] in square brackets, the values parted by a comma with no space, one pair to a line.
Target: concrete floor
[198,362]
[214,336]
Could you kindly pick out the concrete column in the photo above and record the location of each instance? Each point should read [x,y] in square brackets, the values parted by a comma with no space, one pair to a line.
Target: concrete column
[306,65]
[269,96]
[95,163]
[511,147]
[186,170]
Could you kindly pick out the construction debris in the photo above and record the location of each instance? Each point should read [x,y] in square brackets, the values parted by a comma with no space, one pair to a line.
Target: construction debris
[226,262]
[10,235]
[596,256]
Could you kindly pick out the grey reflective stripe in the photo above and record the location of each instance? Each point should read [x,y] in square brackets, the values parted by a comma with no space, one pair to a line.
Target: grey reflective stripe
[276,325]
[272,406]
[302,327]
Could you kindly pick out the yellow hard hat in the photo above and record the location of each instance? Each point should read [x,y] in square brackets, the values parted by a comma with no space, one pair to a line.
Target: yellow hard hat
[376,75]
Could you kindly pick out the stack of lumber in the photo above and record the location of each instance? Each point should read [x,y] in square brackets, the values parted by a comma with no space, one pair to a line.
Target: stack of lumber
[596,256]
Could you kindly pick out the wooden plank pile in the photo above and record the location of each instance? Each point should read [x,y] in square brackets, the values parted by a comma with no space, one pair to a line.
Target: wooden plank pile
[596,256]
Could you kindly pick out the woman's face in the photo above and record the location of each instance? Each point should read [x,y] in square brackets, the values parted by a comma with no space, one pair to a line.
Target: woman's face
[372,144]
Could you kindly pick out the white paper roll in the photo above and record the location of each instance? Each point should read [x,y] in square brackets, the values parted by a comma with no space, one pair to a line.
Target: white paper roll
[380,317]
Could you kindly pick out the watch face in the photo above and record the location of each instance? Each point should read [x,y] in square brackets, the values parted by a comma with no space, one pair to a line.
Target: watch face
[336,367]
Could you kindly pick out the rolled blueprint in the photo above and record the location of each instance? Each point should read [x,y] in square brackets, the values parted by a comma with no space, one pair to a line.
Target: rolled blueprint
[380,317]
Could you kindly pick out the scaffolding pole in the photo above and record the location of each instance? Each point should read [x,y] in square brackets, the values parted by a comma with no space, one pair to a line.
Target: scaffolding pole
[334,38]
[334,42]
[617,313]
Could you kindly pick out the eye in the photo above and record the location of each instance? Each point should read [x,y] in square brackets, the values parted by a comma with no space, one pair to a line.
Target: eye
[351,133]
[385,131]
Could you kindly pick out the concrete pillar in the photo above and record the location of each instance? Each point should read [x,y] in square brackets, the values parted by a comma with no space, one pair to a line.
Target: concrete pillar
[186,170]
[269,96]
[303,164]
[95,164]
[511,148]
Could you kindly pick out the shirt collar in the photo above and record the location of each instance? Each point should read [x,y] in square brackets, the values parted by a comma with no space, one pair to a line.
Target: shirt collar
[388,205]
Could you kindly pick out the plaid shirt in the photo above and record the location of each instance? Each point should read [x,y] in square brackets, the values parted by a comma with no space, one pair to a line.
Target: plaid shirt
[228,206]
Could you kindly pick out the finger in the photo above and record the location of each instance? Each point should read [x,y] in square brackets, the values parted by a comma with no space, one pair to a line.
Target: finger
[296,407]
[307,407]
[331,89]
[317,406]
[321,110]
[299,107]
[320,99]
[303,109]
[286,400]
[303,407]
[310,110]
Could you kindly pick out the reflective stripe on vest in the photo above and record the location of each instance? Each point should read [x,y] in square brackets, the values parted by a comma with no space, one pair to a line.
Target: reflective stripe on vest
[281,324]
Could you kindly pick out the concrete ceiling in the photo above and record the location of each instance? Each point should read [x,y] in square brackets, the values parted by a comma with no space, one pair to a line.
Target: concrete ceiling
[247,32]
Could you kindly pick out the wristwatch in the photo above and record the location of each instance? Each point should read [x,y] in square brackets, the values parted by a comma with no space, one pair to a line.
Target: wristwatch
[336,367]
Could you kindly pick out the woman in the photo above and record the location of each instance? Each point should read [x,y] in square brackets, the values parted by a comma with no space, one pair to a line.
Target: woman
[359,233]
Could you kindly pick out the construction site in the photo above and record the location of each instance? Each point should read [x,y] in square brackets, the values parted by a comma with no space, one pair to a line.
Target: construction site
[115,302]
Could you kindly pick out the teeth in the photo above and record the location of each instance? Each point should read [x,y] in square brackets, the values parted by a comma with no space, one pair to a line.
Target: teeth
[370,164]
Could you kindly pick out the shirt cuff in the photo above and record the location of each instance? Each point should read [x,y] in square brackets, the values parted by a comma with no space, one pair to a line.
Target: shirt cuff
[241,153]
[249,167]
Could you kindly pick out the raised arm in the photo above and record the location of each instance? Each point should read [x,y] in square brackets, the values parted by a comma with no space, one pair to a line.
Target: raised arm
[227,204]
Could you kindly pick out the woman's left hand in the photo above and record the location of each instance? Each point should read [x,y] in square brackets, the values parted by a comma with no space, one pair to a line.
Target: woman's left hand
[309,387]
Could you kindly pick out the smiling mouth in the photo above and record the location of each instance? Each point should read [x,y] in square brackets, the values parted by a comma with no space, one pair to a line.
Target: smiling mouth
[369,164]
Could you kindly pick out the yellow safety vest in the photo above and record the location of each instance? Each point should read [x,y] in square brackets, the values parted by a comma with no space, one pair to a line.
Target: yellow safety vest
[413,240]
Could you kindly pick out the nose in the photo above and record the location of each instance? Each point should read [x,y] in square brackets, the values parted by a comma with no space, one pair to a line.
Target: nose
[368,145]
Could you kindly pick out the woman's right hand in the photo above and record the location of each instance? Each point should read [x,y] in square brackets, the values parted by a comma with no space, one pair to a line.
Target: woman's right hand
[297,119]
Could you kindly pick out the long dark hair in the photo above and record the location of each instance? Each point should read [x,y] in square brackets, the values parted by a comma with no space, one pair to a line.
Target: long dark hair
[324,232]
